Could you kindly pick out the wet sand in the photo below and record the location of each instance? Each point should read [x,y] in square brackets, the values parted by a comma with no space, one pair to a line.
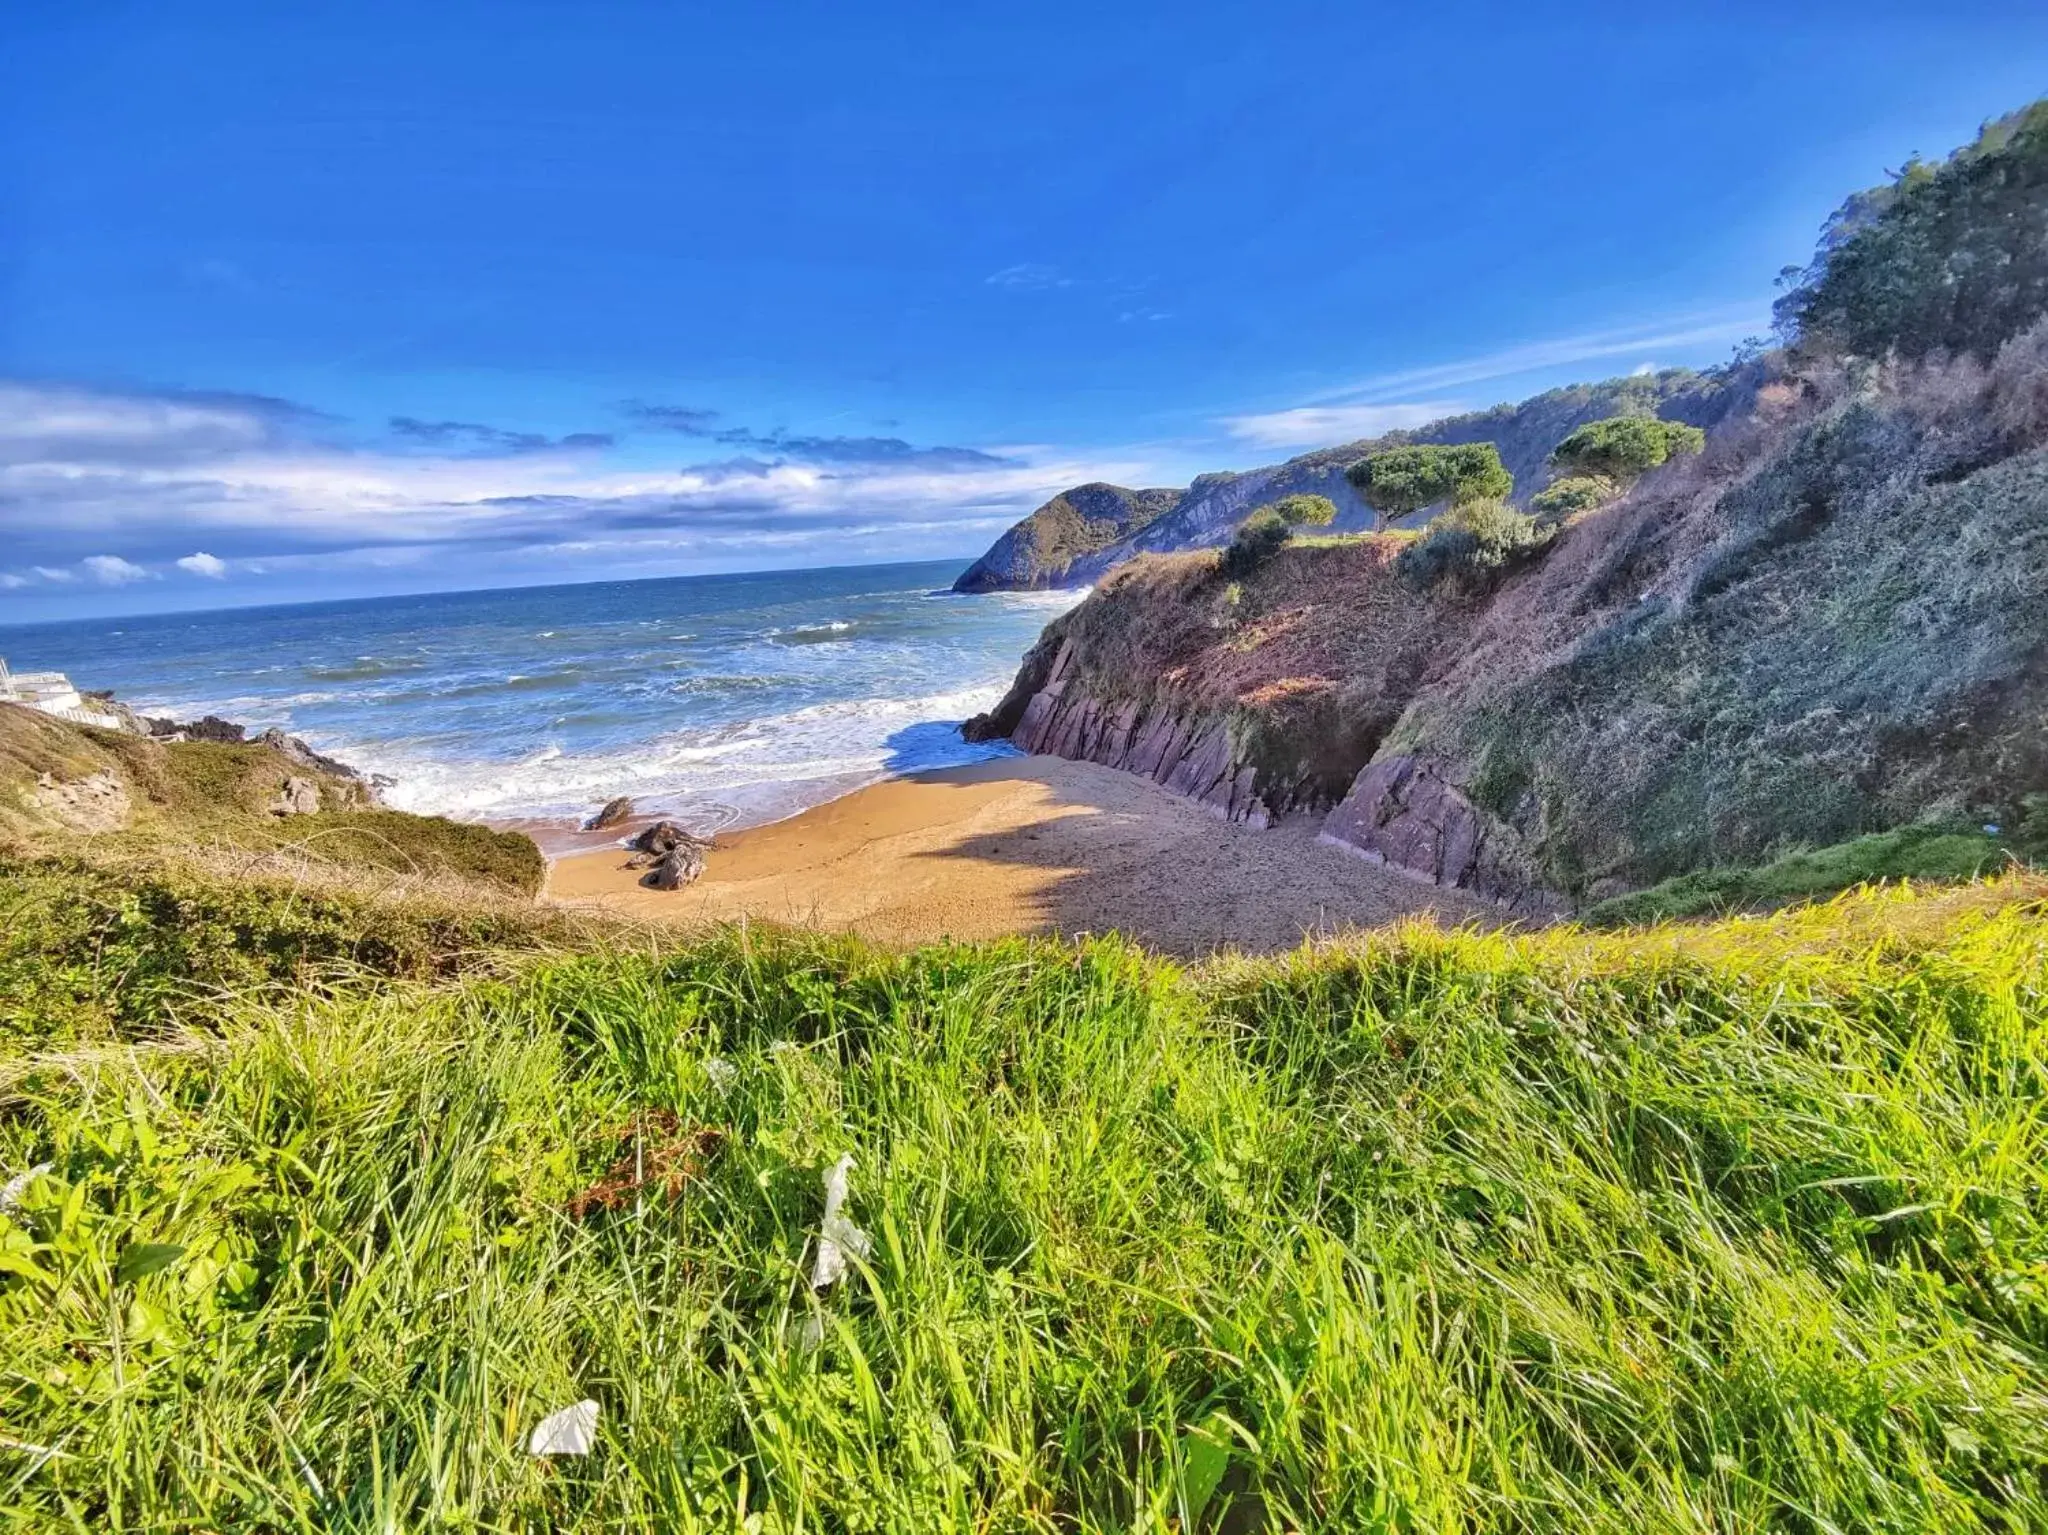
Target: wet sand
[1026,845]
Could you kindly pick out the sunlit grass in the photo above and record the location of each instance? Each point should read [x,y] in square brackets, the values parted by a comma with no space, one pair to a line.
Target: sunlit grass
[1736,1227]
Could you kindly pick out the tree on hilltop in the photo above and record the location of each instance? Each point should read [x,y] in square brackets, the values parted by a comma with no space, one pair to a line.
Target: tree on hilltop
[1396,482]
[1305,510]
[1622,449]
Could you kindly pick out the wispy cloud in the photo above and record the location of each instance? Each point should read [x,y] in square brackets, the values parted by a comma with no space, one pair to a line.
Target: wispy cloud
[1311,426]
[62,423]
[1728,325]
[1385,402]
[689,420]
[476,437]
[1029,277]
[855,452]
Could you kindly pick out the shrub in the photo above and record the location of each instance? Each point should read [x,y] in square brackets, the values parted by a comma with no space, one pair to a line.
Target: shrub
[1399,481]
[1573,494]
[1258,538]
[1470,544]
[1303,510]
[1623,448]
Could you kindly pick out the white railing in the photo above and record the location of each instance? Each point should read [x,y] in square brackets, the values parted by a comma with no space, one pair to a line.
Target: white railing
[52,693]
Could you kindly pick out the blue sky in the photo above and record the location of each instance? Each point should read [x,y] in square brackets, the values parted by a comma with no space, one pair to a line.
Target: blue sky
[317,301]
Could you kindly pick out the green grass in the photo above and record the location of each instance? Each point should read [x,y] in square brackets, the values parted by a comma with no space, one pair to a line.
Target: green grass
[427,845]
[1911,852]
[1728,1228]
[92,951]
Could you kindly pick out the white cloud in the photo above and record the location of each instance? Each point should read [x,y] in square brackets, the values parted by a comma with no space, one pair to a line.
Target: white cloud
[9,581]
[1028,276]
[1729,325]
[262,498]
[60,424]
[112,570]
[1312,426]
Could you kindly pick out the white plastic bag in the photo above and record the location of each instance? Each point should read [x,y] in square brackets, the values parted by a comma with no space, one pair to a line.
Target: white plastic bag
[15,1187]
[572,1431]
[838,1237]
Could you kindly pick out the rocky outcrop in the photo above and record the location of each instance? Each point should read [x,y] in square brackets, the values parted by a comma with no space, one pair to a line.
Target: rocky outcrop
[1043,549]
[1181,750]
[209,727]
[95,803]
[1403,812]
[295,751]
[296,796]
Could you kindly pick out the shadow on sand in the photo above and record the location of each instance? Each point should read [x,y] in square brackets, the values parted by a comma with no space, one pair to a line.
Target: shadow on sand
[1105,851]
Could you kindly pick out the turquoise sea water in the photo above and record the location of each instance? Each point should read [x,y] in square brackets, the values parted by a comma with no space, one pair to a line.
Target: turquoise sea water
[723,700]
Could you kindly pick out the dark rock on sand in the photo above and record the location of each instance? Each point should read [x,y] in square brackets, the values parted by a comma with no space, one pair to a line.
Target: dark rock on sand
[678,867]
[614,811]
[662,837]
[676,855]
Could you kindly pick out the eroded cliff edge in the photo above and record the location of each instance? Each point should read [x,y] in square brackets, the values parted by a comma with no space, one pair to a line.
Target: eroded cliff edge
[1833,621]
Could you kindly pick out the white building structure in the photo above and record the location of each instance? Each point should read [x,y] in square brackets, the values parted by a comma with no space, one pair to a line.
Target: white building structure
[52,693]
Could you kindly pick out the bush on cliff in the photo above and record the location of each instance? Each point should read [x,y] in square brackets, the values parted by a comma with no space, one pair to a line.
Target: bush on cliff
[1949,257]
[1266,531]
[1622,449]
[1470,545]
[1306,511]
[1258,538]
[1398,482]
[1569,496]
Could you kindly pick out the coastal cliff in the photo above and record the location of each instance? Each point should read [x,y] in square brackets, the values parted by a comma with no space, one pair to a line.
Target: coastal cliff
[1832,622]
[1824,621]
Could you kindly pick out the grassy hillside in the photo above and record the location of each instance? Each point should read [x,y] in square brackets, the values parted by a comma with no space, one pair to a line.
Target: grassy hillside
[1081,534]
[1738,1227]
[61,784]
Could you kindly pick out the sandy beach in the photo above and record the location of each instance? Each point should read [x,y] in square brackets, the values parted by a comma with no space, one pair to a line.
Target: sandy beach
[1026,845]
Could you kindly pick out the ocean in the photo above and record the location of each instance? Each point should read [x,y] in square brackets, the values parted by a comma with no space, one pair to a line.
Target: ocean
[723,701]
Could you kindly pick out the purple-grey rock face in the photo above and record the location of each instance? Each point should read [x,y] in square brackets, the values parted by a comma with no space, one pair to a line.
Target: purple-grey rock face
[1404,813]
[1188,755]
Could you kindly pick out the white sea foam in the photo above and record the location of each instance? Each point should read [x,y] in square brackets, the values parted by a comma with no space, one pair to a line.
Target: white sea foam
[739,773]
